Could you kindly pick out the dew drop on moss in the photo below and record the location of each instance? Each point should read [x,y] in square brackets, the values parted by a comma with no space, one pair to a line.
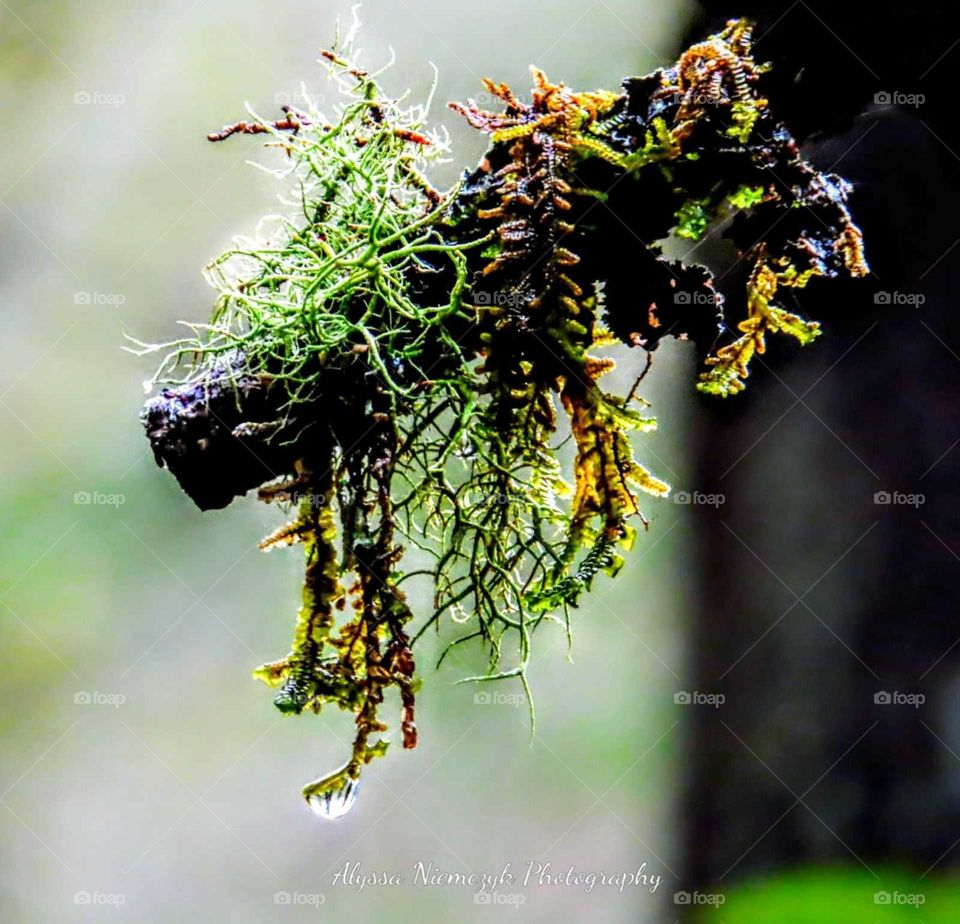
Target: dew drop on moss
[334,795]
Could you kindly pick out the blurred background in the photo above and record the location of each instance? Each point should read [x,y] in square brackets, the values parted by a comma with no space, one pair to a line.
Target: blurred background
[183,802]
[144,776]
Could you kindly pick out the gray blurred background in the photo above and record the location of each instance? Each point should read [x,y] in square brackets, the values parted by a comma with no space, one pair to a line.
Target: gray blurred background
[144,775]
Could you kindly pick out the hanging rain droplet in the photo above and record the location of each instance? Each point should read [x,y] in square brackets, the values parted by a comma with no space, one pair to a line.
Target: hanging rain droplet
[334,795]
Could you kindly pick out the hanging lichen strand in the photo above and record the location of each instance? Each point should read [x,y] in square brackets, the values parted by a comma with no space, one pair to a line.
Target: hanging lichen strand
[391,362]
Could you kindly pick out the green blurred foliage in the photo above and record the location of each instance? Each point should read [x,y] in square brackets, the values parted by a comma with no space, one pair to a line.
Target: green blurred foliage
[847,895]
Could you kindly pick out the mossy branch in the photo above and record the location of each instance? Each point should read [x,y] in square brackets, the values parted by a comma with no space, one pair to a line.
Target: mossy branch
[399,358]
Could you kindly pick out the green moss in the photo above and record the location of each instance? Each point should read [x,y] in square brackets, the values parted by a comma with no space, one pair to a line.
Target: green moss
[746,196]
[693,217]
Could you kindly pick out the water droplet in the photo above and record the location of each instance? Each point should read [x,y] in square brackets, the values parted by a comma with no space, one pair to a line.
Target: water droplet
[334,795]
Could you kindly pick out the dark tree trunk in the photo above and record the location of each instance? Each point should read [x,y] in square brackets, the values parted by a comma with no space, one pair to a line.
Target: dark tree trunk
[813,598]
